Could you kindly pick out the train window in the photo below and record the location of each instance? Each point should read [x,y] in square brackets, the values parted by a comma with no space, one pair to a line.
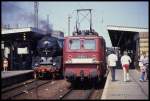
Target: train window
[89,44]
[74,44]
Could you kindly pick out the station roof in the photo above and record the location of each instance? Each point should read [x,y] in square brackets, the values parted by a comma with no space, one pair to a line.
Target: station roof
[20,30]
[125,28]
[120,35]
[16,34]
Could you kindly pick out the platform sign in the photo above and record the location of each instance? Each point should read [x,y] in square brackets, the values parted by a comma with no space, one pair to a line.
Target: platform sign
[6,52]
[22,50]
[2,45]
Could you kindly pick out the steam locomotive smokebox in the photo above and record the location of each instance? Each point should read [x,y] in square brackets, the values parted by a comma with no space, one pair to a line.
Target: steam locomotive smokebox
[13,77]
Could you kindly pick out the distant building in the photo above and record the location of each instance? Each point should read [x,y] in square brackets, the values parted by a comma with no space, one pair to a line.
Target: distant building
[144,42]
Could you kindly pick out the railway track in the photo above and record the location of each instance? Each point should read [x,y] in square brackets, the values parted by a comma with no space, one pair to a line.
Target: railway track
[17,85]
[84,92]
[25,87]
[58,89]
[77,94]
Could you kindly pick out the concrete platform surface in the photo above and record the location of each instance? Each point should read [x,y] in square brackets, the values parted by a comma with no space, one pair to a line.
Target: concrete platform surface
[8,74]
[134,89]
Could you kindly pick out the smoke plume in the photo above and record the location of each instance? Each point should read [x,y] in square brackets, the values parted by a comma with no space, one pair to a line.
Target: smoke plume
[14,14]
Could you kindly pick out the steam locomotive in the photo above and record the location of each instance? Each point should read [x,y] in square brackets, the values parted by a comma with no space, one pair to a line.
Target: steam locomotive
[48,62]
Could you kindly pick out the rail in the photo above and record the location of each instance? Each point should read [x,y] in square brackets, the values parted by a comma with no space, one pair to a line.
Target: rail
[86,94]
[15,91]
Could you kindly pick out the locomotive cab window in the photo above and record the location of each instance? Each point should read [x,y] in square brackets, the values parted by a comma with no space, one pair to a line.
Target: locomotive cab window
[74,44]
[89,44]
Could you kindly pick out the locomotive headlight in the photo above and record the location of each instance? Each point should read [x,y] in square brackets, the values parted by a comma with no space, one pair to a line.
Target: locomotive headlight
[43,70]
[94,59]
[68,61]
[54,63]
[36,64]
[24,36]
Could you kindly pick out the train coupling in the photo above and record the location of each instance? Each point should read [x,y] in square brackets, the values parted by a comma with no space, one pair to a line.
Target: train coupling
[81,75]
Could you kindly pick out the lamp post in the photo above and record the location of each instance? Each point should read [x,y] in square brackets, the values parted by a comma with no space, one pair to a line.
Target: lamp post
[69,25]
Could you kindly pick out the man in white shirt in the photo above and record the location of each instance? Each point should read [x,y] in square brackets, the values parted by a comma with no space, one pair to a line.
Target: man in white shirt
[125,61]
[112,59]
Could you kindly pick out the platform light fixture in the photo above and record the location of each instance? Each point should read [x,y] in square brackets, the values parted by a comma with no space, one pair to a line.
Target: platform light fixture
[24,36]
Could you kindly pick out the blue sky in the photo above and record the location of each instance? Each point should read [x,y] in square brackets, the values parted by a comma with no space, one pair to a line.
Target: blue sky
[134,14]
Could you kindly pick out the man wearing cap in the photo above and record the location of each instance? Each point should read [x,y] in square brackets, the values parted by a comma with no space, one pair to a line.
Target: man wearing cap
[125,61]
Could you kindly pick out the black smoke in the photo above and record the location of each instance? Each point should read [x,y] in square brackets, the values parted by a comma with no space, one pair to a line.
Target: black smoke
[44,25]
[9,10]
[8,7]
[15,15]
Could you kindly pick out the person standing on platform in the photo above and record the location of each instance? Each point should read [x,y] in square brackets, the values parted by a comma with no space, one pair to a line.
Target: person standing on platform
[142,63]
[125,61]
[147,66]
[112,63]
[5,64]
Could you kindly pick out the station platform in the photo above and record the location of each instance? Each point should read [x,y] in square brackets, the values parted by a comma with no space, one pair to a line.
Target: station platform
[133,89]
[8,74]
[12,77]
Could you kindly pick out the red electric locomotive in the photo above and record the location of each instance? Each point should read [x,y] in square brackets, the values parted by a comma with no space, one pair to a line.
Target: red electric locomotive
[84,57]
[84,54]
